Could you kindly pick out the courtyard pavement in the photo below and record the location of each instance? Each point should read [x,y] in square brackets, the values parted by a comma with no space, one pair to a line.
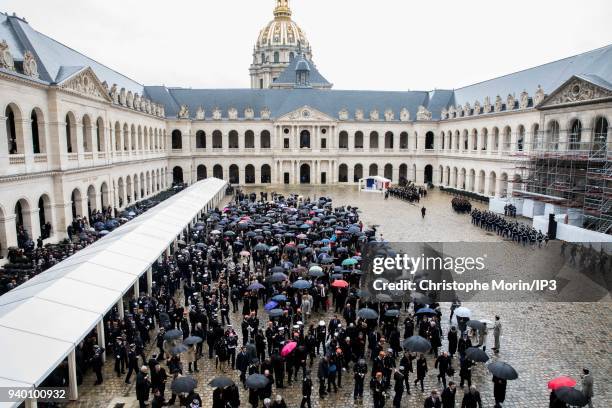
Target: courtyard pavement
[540,340]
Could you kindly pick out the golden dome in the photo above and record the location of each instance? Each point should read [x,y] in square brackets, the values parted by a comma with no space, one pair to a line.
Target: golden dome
[282,31]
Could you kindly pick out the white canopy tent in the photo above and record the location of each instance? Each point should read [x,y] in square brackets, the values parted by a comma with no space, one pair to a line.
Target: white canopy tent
[376,184]
[42,320]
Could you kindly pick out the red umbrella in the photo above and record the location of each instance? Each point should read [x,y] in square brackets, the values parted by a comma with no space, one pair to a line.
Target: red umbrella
[288,348]
[340,283]
[561,382]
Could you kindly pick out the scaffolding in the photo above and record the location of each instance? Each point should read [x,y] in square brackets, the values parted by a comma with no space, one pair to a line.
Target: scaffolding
[574,175]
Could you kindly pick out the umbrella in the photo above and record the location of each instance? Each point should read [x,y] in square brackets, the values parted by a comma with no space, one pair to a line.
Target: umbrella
[340,283]
[255,286]
[221,382]
[327,260]
[270,305]
[256,381]
[181,348]
[426,311]
[279,298]
[192,340]
[173,334]
[276,269]
[572,396]
[349,261]
[417,344]
[301,284]
[245,253]
[275,312]
[277,277]
[420,298]
[561,382]
[392,313]
[315,273]
[463,312]
[215,232]
[288,348]
[337,276]
[476,354]
[503,370]
[104,232]
[367,313]
[261,247]
[476,324]
[183,385]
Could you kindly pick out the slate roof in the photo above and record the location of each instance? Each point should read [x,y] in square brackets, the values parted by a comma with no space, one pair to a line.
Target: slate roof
[283,101]
[550,76]
[287,77]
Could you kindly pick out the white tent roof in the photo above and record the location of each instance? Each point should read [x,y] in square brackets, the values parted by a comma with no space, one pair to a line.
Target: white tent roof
[42,320]
[377,178]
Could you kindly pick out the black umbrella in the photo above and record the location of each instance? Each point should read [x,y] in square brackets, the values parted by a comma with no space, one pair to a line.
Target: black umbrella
[276,269]
[315,273]
[256,381]
[173,334]
[367,313]
[392,313]
[276,312]
[192,340]
[476,324]
[181,348]
[503,370]
[572,396]
[183,385]
[221,382]
[417,344]
[476,354]
[277,277]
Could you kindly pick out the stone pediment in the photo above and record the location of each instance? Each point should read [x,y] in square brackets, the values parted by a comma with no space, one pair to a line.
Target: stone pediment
[306,114]
[85,83]
[578,90]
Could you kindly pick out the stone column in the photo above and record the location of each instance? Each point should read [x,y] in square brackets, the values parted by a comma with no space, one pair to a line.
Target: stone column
[34,222]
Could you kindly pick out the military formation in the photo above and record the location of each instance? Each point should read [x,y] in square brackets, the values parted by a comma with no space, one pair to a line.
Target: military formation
[513,230]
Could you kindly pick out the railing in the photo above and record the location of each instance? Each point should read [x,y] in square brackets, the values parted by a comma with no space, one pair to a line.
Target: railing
[73,156]
[88,156]
[40,158]
[101,155]
[17,159]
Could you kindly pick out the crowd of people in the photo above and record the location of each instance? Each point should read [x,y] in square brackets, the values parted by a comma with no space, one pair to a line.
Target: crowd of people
[30,258]
[514,230]
[461,205]
[408,192]
[290,268]
[509,210]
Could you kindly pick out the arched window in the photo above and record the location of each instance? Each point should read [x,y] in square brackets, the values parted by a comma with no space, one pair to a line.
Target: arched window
[200,139]
[177,140]
[276,57]
[474,139]
[520,141]
[263,58]
[86,123]
[343,140]
[100,135]
[234,174]
[177,175]
[249,174]
[233,139]
[36,139]
[357,173]
[70,133]
[201,172]
[218,171]
[304,139]
[373,171]
[358,140]
[507,138]
[495,139]
[373,141]
[389,140]
[11,131]
[343,173]
[388,171]
[600,137]
[428,174]
[552,136]
[266,174]
[404,140]
[575,135]
[249,141]
[264,142]
[429,140]
[217,140]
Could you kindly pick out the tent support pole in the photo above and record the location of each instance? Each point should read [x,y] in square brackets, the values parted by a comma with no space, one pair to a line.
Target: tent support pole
[31,403]
[101,339]
[72,376]
[120,308]
[150,280]
[137,288]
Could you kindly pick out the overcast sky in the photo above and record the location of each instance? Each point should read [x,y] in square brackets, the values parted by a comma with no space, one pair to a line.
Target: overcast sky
[357,44]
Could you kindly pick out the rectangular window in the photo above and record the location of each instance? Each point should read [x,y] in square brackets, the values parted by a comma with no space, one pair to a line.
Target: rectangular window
[323,143]
[286,143]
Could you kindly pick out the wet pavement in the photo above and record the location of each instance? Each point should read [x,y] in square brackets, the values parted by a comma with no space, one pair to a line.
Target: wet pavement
[540,340]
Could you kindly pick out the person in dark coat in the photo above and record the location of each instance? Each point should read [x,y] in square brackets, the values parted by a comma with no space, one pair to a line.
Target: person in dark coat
[218,398]
[433,401]
[143,386]
[158,399]
[253,397]
[471,399]
[242,363]
[377,385]
[452,341]
[421,366]
[555,402]
[443,362]
[398,388]
[322,374]
[306,392]
[499,390]
[448,395]
[97,364]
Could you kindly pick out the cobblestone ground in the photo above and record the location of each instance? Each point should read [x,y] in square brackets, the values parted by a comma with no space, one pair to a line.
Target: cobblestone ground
[541,341]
